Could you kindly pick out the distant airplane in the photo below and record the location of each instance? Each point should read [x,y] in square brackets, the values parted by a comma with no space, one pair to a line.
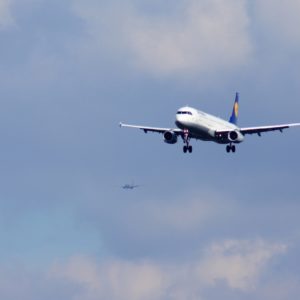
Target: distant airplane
[195,124]
[129,186]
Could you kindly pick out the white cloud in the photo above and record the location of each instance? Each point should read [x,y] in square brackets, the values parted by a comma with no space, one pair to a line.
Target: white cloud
[113,280]
[204,36]
[239,263]
[207,37]
[280,21]
[186,216]
[6,18]
[180,218]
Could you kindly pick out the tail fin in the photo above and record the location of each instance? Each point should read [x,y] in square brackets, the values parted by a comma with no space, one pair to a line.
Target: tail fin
[235,111]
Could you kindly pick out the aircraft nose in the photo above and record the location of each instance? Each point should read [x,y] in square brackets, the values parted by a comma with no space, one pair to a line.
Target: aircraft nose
[179,117]
[178,121]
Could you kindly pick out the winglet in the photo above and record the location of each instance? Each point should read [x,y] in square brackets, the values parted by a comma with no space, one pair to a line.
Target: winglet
[235,111]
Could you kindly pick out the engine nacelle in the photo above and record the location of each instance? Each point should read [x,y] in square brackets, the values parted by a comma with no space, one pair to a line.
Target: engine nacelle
[170,137]
[235,136]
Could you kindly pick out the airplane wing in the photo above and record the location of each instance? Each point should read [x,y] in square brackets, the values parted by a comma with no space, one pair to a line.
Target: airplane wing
[153,129]
[258,130]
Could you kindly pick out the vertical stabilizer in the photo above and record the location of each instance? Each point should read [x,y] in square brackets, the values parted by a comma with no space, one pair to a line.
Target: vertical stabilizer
[235,112]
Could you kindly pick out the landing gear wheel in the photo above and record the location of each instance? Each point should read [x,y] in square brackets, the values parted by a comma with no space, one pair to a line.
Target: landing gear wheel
[228,148]
[186,140]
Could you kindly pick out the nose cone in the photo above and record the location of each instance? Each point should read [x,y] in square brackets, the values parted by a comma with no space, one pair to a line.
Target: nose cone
[184,117]
[179,121]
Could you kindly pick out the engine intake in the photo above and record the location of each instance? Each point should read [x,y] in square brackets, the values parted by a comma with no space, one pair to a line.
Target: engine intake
[235,136]
[170,137]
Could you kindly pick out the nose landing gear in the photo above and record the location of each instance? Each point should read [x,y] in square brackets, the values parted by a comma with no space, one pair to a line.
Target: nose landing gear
[186,140]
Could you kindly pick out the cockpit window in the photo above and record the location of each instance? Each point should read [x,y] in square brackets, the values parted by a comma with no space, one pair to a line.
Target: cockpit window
[184,113]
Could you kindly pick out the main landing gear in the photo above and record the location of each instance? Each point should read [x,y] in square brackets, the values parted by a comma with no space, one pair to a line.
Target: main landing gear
[230,147]
[187,148]
[186,140]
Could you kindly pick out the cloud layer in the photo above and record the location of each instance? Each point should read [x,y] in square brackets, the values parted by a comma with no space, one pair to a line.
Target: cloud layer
[199,37]
[281,21]
[6,18]
[239,263]
[70,71]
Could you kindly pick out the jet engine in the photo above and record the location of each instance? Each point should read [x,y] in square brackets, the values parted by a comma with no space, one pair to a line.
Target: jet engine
[235,136]
[170,137]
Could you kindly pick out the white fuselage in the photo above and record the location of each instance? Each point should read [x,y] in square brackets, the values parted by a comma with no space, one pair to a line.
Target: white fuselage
[201,125]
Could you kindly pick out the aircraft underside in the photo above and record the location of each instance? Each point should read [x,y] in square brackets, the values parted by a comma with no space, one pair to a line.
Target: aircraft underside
[205,136]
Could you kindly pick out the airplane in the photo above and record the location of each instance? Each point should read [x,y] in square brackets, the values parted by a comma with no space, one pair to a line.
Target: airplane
[129,186]
[195,124]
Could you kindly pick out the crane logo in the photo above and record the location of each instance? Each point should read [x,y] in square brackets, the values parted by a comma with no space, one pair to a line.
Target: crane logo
[236,109]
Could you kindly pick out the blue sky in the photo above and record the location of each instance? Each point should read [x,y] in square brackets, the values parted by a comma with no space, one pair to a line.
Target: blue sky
[201,225]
